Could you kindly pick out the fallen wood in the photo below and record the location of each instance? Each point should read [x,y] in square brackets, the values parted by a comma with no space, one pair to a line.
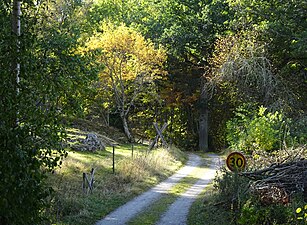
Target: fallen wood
[277,182]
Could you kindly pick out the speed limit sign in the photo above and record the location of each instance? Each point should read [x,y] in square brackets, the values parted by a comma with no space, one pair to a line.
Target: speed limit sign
[236,161]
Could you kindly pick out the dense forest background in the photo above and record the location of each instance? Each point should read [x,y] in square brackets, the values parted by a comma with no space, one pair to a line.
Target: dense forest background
[220,72]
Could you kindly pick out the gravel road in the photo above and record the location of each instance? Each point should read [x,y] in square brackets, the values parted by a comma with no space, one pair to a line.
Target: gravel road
[178,211]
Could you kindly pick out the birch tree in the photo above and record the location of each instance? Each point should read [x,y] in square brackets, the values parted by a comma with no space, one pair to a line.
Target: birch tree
[46,60]
[130,62]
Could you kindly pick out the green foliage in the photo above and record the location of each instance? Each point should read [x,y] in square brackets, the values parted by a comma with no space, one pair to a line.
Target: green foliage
[249,130]
[232,189]
[233,197]
[56,79]
[299,130]
[283,28]
[254,213]
[53,80]
[187,29]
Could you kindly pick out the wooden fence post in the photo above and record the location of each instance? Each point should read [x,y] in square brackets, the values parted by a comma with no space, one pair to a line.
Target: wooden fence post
[159,135]
[88,183]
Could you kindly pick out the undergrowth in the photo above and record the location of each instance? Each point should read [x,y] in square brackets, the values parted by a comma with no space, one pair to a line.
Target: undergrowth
[230,199]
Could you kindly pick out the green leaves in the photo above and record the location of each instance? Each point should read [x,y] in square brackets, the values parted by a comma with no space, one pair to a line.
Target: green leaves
[54,79]
[249,131]
[301,214]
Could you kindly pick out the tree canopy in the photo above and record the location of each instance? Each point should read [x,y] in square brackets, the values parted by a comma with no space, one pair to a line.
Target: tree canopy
[131,65]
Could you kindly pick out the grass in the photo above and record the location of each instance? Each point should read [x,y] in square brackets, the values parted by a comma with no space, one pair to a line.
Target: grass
[132,176]
[206,210]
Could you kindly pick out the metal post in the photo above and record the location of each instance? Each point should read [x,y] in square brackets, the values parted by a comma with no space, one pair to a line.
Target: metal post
[113,159]
[132,150]
[305,185]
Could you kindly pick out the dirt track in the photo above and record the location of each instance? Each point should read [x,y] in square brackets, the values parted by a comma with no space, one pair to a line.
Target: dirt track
[178,211]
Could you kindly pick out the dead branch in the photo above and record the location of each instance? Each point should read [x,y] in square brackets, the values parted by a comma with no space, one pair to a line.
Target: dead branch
[277,182]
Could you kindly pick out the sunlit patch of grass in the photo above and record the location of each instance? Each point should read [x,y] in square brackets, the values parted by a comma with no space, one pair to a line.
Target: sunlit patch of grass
[72,206]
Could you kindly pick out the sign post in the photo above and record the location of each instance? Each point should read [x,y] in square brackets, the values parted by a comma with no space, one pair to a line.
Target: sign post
[236,161]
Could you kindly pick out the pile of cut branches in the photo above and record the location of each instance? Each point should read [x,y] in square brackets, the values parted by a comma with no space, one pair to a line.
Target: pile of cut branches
[276,183]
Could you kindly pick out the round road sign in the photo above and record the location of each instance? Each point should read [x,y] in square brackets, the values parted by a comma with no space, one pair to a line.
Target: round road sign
[236,161]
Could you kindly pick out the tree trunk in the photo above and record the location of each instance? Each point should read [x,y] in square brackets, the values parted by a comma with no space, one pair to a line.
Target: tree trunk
[16,31]
[126,128]
[203,121]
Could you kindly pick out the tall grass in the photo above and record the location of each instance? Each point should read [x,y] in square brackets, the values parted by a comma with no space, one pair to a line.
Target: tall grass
[143,166]
[132,176]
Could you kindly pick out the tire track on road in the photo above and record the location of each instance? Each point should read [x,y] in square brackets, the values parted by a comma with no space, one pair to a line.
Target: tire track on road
[129,210]
[178,212]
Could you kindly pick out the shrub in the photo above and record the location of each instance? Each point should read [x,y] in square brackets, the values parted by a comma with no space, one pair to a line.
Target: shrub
[299,130]
[234,195]
[250,130]
[301,215]
[232,189]
[254,213]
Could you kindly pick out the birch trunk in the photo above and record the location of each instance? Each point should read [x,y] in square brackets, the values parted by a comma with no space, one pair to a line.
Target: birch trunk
[126,128]
[16,30]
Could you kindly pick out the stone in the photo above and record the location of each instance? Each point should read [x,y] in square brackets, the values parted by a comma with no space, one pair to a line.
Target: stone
[90,143]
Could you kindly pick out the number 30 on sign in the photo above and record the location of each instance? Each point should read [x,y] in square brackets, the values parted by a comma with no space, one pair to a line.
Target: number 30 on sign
[236,161]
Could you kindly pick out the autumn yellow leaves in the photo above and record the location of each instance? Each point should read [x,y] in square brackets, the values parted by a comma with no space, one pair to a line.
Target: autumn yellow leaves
[126,54]
[130,64]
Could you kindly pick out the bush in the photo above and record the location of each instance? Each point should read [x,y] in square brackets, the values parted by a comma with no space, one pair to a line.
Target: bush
[250,130]
[234,196]
[299,130]
[232,189]
[301,215]
[253,213]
